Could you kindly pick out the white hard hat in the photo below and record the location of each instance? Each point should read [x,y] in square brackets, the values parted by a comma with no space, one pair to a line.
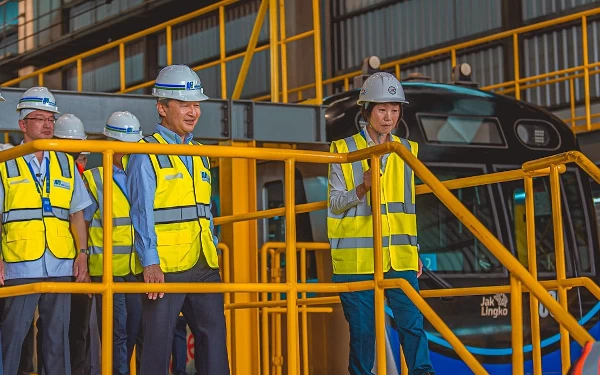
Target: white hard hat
[1,98]
[123,126]
[381,87]
[70,127]
[38,98]
[179,82]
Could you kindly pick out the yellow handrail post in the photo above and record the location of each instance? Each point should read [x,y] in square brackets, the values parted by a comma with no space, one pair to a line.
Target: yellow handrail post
[260,17]
[107,275]
[223,52]
[572,100]
[41,79]
[304,313]
[346,84]
[169,43]
[559,247]
[122,66]
[378,266]
[516,317]
[317,50]
[403,365]
[397,70]
[586,72]
[266,363]
[532,262]
[277,318]
[274,49]
[453,58]
[282,36]
[291,277]
[516,62]
[79,75]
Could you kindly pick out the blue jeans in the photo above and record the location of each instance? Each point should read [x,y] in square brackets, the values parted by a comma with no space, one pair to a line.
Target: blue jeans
[359,311]
[127,320]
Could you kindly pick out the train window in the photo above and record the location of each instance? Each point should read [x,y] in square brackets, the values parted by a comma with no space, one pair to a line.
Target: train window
[576,227]
[596,199]
[462,130]
[537,134]
[446,245]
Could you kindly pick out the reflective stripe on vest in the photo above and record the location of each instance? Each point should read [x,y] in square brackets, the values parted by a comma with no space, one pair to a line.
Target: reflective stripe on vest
[182,210]
[27,229]
[351,232]
[125,260]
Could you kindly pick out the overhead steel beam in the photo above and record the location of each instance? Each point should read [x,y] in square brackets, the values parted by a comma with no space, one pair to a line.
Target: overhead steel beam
[220,119]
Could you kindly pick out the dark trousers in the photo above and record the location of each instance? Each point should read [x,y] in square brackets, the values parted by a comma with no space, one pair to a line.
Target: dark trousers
[203,311]
[79,334]
[127,318]
[359,311]
[18,314]
[179,355]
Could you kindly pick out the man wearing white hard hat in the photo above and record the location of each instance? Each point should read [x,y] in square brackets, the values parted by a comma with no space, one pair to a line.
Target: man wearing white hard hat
[69,126]
[42,195]
[170,212]
[127,308]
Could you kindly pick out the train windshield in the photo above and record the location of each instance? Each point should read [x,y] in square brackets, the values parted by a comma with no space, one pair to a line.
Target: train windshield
[576,231]
[446,245]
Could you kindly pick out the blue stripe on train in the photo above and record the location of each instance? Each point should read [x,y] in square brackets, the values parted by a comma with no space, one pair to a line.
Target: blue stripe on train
[550,362]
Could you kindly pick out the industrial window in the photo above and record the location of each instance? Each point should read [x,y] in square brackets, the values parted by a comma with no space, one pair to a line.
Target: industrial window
[461,130]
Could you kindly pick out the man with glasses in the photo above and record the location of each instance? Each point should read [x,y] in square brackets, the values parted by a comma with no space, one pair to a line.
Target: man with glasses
[41,196]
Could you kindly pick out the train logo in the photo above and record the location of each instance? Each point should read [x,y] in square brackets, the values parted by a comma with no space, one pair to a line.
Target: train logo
[494,306]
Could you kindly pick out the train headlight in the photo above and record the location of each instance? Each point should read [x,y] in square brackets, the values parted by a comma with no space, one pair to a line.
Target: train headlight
[537,134]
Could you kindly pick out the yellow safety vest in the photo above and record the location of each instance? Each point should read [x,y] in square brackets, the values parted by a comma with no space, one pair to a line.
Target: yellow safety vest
[351,232]
[182,210]
[125,259]
[27,229]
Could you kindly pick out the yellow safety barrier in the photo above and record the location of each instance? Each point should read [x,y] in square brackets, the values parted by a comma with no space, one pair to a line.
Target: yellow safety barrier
[292,287]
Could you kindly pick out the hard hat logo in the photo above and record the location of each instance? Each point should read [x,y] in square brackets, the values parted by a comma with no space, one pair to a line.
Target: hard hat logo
[179,82]
[381,87]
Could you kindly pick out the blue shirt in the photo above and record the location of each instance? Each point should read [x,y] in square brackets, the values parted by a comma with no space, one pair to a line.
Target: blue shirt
[141,188]
[48,265]
[119,178]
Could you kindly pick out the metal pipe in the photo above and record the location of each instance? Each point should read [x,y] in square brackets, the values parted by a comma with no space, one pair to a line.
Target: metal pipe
[274,51]
[283,45]
[516,65]
[572,100]
[169,42]
[532,263]
[122,82]
[317,51]
[107,275]
[586,71]
[223,52]
[291,277]
[79,75]
[516,318]
[378,266]
[559,246]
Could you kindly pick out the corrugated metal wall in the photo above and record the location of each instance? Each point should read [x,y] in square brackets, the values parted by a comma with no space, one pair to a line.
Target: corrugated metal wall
[539,8]
[390,29]
[94,11]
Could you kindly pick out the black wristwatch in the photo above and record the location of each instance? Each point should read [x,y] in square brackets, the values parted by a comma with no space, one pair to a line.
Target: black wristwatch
[86,251]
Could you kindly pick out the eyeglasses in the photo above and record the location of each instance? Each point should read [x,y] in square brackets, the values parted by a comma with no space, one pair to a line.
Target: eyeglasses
[50,120]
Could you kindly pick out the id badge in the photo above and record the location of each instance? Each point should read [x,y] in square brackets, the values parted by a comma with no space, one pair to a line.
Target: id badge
[46,205]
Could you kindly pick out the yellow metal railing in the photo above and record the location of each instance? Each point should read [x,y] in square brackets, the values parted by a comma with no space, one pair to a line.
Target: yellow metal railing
[278,40]
[292,287]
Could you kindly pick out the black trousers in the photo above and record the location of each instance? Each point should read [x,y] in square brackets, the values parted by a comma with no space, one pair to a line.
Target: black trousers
[203,311]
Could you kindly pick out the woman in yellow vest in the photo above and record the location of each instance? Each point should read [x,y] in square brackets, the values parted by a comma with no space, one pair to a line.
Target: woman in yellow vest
[127,308]
[350,229]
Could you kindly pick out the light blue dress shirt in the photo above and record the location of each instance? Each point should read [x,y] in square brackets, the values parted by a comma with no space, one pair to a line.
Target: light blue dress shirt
[119,178]
[48,265]
[141,188]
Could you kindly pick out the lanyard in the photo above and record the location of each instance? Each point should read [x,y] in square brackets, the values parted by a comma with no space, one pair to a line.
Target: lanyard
[38,185]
